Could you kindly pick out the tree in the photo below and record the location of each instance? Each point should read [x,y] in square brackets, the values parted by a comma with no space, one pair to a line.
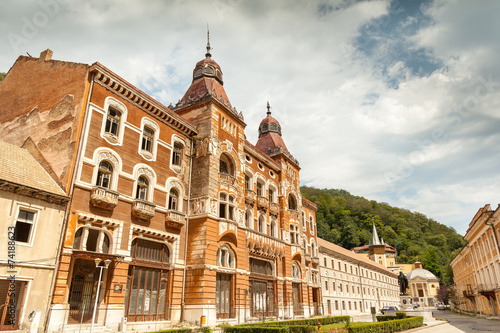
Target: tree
[2,75]
[443,294]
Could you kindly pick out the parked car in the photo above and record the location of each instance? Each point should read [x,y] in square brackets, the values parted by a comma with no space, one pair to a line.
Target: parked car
[389,308]
[441,307]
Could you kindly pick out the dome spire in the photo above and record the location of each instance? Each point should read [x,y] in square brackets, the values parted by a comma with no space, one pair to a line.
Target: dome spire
[268,108]
[208,55]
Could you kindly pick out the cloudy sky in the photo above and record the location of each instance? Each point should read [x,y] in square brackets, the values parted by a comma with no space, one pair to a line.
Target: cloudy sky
[396,101]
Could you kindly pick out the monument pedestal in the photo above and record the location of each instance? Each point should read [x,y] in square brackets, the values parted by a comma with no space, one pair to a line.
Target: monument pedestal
[405,302]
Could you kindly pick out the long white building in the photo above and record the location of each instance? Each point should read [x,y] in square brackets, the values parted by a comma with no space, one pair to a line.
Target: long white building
[351,284]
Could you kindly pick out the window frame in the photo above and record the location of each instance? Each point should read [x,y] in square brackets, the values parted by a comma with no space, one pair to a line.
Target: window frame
[113,139]
[101,171]
[34,223]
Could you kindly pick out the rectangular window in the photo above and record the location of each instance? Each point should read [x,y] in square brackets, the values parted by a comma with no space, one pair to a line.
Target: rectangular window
[112,121]
[24,226]
[326,285]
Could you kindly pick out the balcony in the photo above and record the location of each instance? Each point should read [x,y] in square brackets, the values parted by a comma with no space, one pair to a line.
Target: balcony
[293,213]
[274,208]
[103,198]
[175,219]
[308,258]
[487,290]
[143,209]
[262,203]
[250,197]
[226,178]
[315,260]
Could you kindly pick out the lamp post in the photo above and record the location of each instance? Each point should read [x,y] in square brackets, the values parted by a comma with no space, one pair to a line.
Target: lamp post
[97,264]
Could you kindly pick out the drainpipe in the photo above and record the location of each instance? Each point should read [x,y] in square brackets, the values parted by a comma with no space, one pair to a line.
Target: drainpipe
[48,311]
[183,303]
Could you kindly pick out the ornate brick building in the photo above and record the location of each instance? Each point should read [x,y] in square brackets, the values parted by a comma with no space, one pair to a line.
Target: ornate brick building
[183,215]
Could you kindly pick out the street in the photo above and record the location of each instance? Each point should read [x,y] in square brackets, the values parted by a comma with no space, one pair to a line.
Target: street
[462,323]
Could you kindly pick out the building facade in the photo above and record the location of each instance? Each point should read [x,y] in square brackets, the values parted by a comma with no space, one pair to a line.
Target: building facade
[32,208]
[183,216]
[352,284]
[476,268]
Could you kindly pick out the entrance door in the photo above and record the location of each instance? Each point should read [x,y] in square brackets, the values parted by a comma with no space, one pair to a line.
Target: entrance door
[262,298]
[297,309]
[11,302]
[315,295]
[82,291]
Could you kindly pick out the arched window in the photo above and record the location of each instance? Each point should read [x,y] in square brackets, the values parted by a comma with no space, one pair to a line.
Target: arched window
[262,224]
[226,165]
[273,231]
[304,225]
[225,257]
[313,249]
[295,271]
[112,121]
[142,188]
[93,240]
[311,225]
[148,136]
[177,154]
[173,198]
[292,203]
[261,188]
[104,175]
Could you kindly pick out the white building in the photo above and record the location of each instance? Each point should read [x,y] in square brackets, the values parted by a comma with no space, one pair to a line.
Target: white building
[351,284]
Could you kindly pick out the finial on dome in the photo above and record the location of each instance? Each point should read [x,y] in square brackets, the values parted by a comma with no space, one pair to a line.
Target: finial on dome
[208,55]
[268,108]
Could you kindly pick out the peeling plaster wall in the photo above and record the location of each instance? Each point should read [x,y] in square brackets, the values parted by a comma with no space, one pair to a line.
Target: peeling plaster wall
[40,108]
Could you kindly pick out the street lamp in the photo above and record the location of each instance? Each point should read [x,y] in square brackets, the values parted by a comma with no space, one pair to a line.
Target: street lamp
[97,264]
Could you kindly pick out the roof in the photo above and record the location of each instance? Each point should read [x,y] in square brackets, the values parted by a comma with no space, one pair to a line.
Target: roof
[388,248]
[202,87]
[270,141]
[19,167]
[353,256]
[421,273]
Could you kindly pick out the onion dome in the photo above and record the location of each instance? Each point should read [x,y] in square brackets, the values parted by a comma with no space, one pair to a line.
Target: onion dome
[207,82]
[270,134]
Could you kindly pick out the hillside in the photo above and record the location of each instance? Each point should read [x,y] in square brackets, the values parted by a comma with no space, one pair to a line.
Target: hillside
[346,220]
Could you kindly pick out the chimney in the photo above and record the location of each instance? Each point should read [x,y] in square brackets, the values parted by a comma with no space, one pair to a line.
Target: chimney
[45,55]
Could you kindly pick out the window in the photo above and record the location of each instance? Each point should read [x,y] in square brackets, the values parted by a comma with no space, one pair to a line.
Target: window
[273,230]
[112,121]
[294,234]
[326,285]
[295,271]
[177,154]
[173,198]
[248,218]
[104,175]
[271,195]
[95,240]
[324,260]
[24,226]
[292,203]
[150,251]
[260,189]
[231,208]
[223,296]
[225,257]
[147,139]
[142,188]
[247,183]
[226,165]
[333,286]
[262,224]
[226,206]
[311,226]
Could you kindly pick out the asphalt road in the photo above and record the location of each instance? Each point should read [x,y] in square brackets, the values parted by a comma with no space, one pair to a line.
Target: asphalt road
[461,323]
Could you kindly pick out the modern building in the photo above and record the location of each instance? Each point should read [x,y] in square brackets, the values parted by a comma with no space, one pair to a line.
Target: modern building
[476,268]
[352,284]
[183,216]
[32,209]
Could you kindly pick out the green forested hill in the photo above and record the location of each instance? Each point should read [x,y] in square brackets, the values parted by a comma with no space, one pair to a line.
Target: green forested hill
[346,220]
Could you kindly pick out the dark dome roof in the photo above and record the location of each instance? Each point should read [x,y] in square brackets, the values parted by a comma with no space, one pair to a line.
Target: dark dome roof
[270,133]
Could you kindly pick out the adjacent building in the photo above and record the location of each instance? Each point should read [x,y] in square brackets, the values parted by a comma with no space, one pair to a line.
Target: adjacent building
[476,268]
[423,285]
[173,215]
[32,209]
[352,284]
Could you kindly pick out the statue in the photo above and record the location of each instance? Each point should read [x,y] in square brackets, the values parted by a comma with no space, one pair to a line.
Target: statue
[403,283]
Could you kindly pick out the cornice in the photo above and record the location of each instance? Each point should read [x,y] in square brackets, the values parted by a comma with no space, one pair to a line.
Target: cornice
[33,193]
[122,88]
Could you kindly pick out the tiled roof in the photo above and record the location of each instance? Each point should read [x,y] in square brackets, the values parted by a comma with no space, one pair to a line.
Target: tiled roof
[19,167]
[204,87]
[354,256]
[270,141]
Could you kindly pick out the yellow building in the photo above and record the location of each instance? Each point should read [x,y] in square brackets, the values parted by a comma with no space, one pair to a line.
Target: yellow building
[476,268]
[422,285]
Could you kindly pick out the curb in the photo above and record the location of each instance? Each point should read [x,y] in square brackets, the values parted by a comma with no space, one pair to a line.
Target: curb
[426,326]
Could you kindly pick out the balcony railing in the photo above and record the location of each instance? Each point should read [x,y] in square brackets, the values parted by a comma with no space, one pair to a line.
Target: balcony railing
[274,208]
[175,218]
[308,258]
[487,287]
[262,203]
[103,198]
[226,178]
[250,197]
[315,260]
[143,209]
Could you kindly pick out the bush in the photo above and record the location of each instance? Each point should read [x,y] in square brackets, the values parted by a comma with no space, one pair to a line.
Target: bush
[308,322]
[401,315]
[271,329]
[388,326]
[386,318]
